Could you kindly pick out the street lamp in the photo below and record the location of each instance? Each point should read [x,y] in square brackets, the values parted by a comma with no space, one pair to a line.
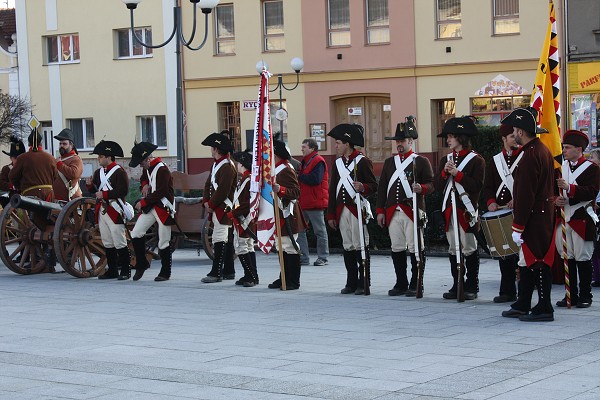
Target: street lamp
[297,64]
[206,6]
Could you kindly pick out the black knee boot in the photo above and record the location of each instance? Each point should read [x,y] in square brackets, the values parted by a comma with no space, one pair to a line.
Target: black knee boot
[228,264]
[364,272]
[141,263]
[253,266]
[412,287]
[572,284]
[508,289]
[351,272]
[292,271]
[113,268]
[246,262]
[216,272]
[585,271]
[125,263]
[472,273]
[543,310]
[399,260]
[166,260]
[451,294]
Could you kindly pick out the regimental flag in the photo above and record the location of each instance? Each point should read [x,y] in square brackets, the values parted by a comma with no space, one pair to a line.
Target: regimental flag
[545,97]
[261,196]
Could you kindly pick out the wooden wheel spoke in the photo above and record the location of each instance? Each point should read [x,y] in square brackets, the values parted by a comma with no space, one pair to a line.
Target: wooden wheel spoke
[90,257]
[24,257]
[19,248]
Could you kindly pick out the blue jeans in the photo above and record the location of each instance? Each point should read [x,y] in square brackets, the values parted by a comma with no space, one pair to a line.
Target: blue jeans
[317,220]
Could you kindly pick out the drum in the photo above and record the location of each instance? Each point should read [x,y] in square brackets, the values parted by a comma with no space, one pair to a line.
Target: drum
[497,228]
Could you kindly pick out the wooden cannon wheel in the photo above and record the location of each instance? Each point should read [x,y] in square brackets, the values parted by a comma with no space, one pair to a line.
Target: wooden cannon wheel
[21,242]
[77,241]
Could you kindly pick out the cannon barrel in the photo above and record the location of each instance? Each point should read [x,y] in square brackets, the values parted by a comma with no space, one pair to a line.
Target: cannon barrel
[33,204]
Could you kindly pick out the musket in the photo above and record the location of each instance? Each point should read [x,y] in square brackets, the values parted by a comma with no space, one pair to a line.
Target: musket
[460,288]
[417,237]
[364,263]
[246,230]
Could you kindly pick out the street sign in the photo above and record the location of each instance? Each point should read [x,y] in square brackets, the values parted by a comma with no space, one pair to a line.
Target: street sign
[33,122]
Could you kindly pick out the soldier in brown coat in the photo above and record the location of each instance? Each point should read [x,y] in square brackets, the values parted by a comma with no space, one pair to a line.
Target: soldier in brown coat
[463,169]
[291,222]
[218,189]
[351,174]
[69,166]
[157,206]
[16,149]
[533,223]
[577,190]
[402,176]
[35,171]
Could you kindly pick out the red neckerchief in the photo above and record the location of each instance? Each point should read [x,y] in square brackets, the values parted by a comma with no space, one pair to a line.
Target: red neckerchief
[155,161]
[461,153]
[71,153]
[404,156]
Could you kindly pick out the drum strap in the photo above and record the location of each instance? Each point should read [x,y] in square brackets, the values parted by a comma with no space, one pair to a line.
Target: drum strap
[464,197]
[399,174]
[505,172]
[571,178]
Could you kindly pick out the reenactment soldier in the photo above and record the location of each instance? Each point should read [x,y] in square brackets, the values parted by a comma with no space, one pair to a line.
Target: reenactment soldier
[110,185]
[242,223]
[497,191]
[463,169]
[291,219]
[16,149]
[69,166]
[403,174]
[219,188]
[35,171]
[157,205]
[577,191]
[533,225]
[352,174]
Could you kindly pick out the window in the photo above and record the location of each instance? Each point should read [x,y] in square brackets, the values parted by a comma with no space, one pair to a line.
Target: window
[273,25]
[448,19]
[225,32]
[153,129]
[506,16]
[83,130]
[229,120]
[339,22]
[585,116]
[378,22]
[128,47]
[443,110]
[490,110]
[62,49]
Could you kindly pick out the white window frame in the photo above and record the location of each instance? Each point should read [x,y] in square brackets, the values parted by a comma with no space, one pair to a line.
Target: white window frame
[332,31]
[146,52]
[376,28]
[498,18]
[84,124]
[266,35]
[224,39]
[59,49]
[140,125]
[448,21]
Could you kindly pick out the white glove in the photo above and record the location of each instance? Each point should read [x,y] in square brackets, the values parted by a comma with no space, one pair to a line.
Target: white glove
[516,237]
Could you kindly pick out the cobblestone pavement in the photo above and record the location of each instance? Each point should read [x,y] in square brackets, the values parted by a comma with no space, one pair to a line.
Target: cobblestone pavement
[69,338]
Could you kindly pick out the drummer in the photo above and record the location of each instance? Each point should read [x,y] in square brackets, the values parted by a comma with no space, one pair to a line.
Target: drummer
[497,191]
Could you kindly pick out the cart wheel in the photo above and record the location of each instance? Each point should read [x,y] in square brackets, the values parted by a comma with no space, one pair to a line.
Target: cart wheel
[20,241]
[207,229]
[77,241]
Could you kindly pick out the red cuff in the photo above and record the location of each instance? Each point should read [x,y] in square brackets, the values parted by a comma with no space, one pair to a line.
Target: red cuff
[144,183]
[59,164]
[211,205]
[282,190]
[444,175]
[230,215]
[490,201]
[572,190]
[459,176]
[423,190]
[105,195]
[143,202]
[330,217]
[518,228]
[380,211]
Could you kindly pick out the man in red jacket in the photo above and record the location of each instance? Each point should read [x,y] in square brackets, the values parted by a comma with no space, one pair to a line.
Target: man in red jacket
[314,193]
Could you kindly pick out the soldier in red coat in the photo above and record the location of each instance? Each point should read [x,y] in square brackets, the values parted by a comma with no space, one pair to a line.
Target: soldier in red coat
[404,175]
[110,185]
[577,191]
[157,206]
[69,167]
[497,192]
[533,223]
[218,193]
[463,169]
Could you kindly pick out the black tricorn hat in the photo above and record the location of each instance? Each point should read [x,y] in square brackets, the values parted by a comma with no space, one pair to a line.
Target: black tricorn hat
[16,147]
[464,125]
[351,133]
[524,118]
[221,141]
[65,134]
[280,148]
[140,151]
[35,138]
[244,158]
[405,130]
[108,148]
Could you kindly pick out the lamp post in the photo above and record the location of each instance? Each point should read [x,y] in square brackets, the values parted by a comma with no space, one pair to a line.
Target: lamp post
[297,64]
[206,7]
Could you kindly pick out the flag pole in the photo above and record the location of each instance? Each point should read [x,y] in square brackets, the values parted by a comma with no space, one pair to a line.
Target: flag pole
[279,247]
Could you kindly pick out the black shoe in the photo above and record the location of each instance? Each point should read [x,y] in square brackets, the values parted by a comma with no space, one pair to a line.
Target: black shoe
[505,298]
[248,284]
[242,280]
[596,284]
[470,296]
[396,292]
[275,285]
[584,303]
[228,277]
[109,274]
[347,290]
[537,318]
[563,302]
[359,291]
[209,279]
[160,278]
[513,313]
[449,295]
[411,293]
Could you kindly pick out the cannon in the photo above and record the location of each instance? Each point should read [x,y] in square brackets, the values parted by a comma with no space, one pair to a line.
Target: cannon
[32,231]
